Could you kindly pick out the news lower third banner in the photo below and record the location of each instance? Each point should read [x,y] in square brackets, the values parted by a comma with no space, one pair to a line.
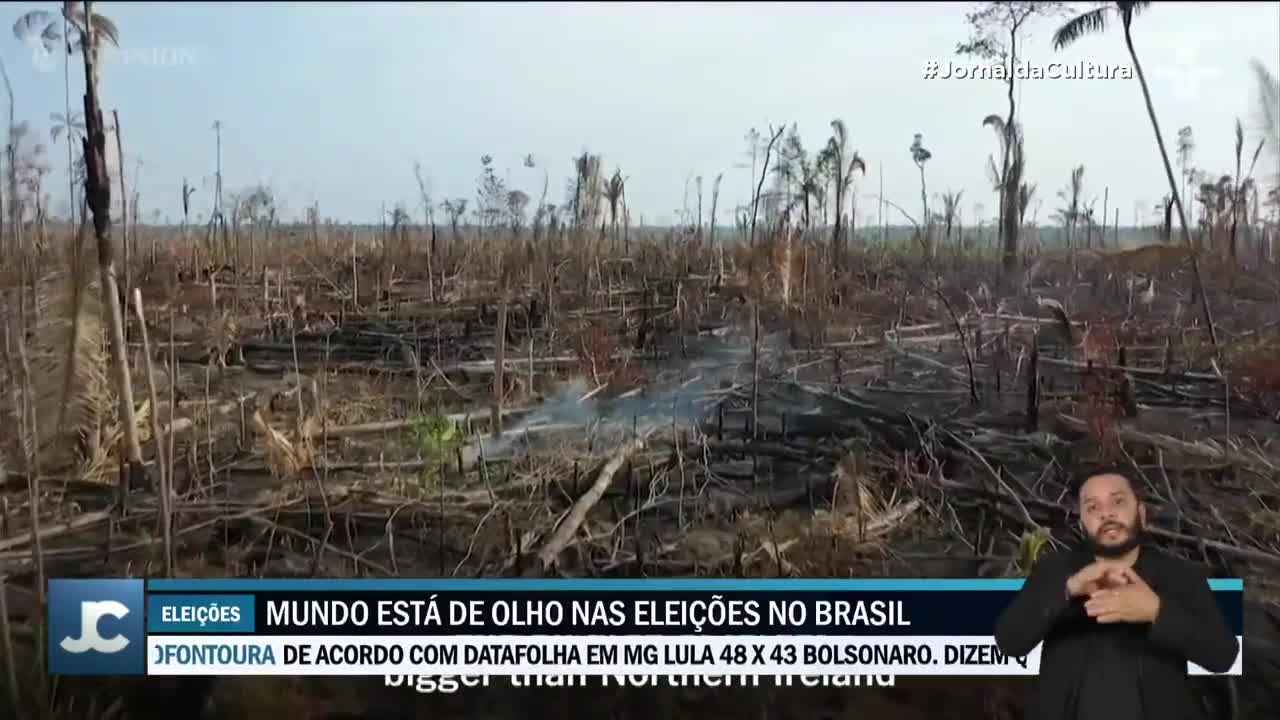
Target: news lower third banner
[497,627]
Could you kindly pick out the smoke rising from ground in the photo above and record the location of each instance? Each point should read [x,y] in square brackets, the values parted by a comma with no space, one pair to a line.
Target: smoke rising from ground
[680,395]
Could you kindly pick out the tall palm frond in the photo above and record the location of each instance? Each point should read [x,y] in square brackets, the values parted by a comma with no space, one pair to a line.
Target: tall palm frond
[614,189]
[1239,141]
[1268,100]
[1257,151]
[996,123]
[1095,21]
[856,163]
[1026,191]
[103,26]
[1092,22]
[839,134]
[1269,114]
[833,157]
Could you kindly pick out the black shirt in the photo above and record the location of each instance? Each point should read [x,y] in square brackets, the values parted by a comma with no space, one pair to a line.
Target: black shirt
[1190,627]
[1110,687]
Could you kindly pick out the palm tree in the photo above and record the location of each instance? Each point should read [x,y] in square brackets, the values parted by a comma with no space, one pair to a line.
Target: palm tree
[1241,186]
[921,155]
[72,126]
[43,26]
[842,165]
[802,175]
[1069,214]
[1095,21]
[613,190]
[950,211]
[1007,181]
[810,187]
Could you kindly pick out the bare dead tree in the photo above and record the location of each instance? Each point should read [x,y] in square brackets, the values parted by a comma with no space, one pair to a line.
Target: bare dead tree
[996,29]
[764,173]
[428,215]
[715,200]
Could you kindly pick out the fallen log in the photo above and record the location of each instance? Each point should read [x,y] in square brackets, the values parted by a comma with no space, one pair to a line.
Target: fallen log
[49,531]
[1158,373]
[382,426]
[565,532]
[1250,459]
[470,367]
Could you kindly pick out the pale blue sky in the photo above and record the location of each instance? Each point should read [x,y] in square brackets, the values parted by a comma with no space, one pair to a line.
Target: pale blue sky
[333,102]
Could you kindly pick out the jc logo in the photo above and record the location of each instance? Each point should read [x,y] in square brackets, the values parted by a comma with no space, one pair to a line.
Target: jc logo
[90,614]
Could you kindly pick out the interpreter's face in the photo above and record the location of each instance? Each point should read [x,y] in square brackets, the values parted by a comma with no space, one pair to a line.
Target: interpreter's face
[1111,515]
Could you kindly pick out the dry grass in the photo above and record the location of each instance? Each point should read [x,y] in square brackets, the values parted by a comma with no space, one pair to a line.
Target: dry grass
[69,387]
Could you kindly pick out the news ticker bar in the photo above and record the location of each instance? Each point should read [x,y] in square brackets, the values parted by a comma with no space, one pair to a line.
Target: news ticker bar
[488,655]
[656,608]
[207,626]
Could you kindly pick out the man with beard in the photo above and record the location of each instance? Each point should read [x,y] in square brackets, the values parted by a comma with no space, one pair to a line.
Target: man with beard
[1119,618]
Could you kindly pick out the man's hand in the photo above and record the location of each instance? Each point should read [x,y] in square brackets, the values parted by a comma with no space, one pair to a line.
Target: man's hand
[1133,602]
[1094,577]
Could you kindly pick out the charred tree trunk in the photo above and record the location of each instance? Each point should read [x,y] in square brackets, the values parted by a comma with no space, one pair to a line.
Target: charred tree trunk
[98,192]
[124,218]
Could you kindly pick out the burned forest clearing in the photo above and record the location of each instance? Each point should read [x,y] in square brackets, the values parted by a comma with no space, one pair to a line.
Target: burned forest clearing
[802,393]
[326,417]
